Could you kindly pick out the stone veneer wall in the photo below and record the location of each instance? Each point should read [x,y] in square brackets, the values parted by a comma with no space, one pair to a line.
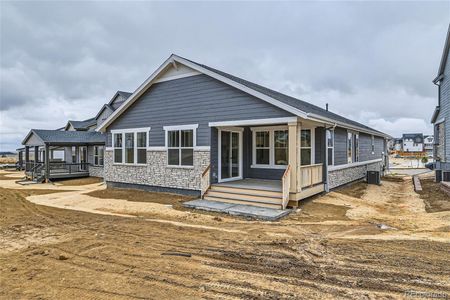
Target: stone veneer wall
[342,176]
[95,171]
[156,172]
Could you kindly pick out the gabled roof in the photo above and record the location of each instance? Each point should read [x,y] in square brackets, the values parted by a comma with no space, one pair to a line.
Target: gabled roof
[417,137]
[56,137]
[295,106]
[444,57]
[105,106]
[82,125]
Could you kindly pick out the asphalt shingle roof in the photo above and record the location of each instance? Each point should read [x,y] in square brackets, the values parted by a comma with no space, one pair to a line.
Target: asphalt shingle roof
[74,137]
[83,125]
[294,102]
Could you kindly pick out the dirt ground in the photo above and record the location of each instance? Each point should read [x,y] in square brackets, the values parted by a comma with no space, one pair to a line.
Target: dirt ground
[360,241]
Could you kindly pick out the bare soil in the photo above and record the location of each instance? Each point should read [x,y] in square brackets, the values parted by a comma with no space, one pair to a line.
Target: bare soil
[435,199]
[330,249]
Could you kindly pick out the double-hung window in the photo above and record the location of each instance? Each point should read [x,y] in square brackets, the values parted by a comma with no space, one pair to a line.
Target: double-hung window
[270,147]
[352,147]
[98,155]
[130,146]
[180,141]
[330,147]
[306,141]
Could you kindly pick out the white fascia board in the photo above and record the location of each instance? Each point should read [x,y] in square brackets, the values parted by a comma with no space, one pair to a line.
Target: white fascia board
[253,122]
[329,121]
[190,74]
[142,129]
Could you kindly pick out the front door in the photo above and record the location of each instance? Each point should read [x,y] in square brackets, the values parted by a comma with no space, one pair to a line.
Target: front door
[83,158]
[230,155]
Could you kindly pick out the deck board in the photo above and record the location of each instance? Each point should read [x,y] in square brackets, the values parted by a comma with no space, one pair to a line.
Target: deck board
[253,183]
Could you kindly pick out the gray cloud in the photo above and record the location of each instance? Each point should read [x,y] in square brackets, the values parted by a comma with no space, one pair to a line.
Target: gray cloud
[373,61]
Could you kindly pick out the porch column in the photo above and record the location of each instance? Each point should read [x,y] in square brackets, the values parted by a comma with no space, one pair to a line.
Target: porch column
[27,157]
[293,154]
[46,162]
[325,158]
[36,154]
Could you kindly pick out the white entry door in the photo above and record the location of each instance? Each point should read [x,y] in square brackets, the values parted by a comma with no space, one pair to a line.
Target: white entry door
[230,155]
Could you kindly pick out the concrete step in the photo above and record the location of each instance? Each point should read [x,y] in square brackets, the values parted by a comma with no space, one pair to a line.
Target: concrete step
[245,197]
[244,202]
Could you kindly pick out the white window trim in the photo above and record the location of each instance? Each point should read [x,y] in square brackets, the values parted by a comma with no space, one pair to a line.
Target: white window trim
[328,147]
[313,143]
[372,145]
[354,154]
[192,127]
[271,130]
[240,131]
[134,131]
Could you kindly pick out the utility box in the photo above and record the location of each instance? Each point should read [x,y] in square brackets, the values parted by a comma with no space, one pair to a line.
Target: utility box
[446,176]
[438,174]
[373,177]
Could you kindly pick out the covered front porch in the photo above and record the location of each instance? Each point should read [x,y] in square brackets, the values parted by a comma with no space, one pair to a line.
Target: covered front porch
[49,154]
[269,163]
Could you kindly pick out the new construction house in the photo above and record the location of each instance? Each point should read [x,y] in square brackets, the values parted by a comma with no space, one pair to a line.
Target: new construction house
[196,130]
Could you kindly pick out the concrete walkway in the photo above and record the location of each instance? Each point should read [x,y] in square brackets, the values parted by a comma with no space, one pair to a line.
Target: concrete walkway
[262,213]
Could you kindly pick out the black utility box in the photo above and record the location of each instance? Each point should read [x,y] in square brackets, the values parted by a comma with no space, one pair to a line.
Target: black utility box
[446,176]
[373,177]
[438,174]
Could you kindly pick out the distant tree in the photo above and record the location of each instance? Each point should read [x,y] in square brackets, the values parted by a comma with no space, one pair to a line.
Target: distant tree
[424,159]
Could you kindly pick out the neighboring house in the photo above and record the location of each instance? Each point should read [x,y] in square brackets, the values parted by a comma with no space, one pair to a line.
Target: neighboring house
[193,129]
[441,116]
[395,144]
[428,145]
[74,150]
[412,142]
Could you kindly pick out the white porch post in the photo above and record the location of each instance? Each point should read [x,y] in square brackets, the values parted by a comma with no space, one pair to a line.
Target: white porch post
[293,154]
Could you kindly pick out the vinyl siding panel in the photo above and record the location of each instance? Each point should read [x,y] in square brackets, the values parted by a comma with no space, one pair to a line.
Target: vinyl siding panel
[365,147]
[340,146]
[192,100]
[445,109]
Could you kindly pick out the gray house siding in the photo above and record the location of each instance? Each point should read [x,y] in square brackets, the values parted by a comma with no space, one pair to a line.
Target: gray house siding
[444,91]
[340,146]
[192,100]
[104,115]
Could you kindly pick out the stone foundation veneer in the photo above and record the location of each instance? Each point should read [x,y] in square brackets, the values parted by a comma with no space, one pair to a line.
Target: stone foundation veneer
[96,171]
[156,172]
[344,175]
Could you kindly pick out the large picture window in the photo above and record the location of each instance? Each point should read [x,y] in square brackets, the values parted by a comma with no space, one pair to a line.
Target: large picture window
[306,141]
[130,146]
[270,147]
[330,147]
[98,155]
[180,143]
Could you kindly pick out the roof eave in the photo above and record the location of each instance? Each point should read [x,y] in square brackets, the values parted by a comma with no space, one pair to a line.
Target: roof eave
[435,114]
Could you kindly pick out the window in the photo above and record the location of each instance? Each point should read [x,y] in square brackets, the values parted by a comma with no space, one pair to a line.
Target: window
[373,145]
[118,147]
[130,145]
[349,147]
[180,141]
[98,155]
[74,154]
[305,147]
[270,147]
[330,147]
[352,147]
[262,146]
[281,140]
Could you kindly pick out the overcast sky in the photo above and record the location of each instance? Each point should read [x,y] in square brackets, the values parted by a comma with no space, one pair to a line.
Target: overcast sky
[372,62]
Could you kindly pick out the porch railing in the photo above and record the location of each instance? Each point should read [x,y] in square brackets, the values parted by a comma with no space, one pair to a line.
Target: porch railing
[311,175]
[205,181]
[68,168]
[286,185]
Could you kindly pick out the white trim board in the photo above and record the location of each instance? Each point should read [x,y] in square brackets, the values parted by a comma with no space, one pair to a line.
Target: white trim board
[352,165]
[253,122]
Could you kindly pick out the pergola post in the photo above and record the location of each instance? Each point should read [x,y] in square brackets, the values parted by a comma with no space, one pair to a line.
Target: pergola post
[46,162]
[36,155]
[293,155]
[27,157]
